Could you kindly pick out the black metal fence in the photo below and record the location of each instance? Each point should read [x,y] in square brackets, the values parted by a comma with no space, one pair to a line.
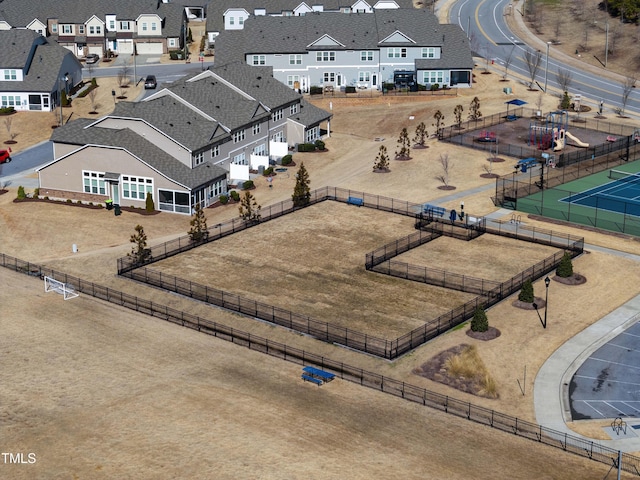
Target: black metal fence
[454,134]
[220,230]
[490,293]
[572,444]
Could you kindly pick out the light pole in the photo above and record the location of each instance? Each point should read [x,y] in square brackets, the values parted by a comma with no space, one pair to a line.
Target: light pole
[547,281]
[546,70]
[462,210]
[65,79]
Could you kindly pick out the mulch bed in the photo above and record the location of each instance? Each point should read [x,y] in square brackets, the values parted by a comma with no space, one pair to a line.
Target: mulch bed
[490,334]
[496,159]
[575,279]
[446,187]
[529,306]
[99,206]
[381,170]
[489,175]
[3,191]
[435,370]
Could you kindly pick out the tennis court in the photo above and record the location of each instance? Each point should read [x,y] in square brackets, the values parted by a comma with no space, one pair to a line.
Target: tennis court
[609,200]
[621,195]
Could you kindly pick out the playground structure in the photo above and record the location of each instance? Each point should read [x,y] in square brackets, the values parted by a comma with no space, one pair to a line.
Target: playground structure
[553,133]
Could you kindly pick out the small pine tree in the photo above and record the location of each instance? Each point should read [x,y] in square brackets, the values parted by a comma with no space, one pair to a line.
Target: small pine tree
[457,112]
[565,103]
[190,36]
[148,203]
[198,231]
[526,294]
[421,134]
[565,268]
[382,160]
[21,193]
[301,192]
[249,208]
[479,322]
[139,252]
[474,109]
[439,118]
[405,151]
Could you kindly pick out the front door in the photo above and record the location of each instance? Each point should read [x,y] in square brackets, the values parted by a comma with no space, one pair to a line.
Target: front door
[339,80]
[115,193]
[374,79]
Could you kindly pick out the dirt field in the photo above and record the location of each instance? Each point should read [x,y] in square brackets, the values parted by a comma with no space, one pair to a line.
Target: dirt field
[99,392]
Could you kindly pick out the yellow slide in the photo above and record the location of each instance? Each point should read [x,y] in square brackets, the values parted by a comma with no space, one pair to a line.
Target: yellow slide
[575,140]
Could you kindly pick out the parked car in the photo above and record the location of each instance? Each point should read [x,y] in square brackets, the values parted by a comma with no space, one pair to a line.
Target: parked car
[5,156]
[150,82]
[92,58]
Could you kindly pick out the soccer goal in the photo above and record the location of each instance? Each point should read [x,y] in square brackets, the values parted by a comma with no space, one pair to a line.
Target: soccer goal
[53,285]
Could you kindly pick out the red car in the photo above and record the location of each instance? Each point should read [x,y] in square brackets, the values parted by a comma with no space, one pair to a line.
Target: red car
[5,156]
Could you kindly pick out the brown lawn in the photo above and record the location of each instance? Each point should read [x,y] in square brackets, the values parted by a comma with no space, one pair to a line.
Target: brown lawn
[101,392]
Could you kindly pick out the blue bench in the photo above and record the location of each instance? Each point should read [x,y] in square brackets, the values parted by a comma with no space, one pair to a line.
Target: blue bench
[433,210]
[308,378]
[355,201]
[527,163]
[319,374]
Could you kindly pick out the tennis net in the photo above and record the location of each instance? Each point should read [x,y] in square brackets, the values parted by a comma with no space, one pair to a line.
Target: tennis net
[624,176]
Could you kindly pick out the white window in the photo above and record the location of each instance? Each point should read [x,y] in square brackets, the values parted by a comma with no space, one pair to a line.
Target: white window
[278,137]
[215,151]
[295,59]
[260,150]
[396,52]
[292,79]
[198,158]
[112,25]
[364,76]
[136,188]
[325,56]
[277,115]
[67,29]
[125,26]
[54,28]
[312,135]
[10,75]
[429,52]
[258,60]
[172,42]
[429,78]
[287,14]
[81,29]
[240,20]
[238,136]
[154,26]
[346,10]
[172,201]
[98,30]
[329,77]
[366,56]
[232,21]
[240,159]
[293,109]
[255,129]
[93,182]
[10,101]
[144,26]
[216,189]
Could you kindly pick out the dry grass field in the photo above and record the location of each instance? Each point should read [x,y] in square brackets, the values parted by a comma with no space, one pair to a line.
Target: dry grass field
[97,391]
[312,263]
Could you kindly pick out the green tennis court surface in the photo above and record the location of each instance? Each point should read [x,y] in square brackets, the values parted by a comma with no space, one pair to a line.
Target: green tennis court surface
[609,200]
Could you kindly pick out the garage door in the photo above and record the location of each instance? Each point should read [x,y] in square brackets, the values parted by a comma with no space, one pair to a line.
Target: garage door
[149,48]
[125,46]
[96,50]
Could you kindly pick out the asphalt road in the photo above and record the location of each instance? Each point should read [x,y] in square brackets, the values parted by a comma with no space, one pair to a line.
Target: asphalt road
[484,22]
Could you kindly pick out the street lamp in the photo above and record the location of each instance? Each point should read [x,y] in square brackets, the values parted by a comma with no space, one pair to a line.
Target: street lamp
[547,281]
[462,210]
[65,79]
[546,70]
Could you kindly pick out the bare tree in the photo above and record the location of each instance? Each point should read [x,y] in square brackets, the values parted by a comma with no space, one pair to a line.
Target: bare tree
[558,22]
[507,62]
[564,78]
[92,98]
[8,124]
[615,34]
[627,86]
[533,60]
[123,78]
[446,166]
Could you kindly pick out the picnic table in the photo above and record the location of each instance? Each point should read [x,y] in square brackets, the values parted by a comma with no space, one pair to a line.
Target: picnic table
[317,376]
